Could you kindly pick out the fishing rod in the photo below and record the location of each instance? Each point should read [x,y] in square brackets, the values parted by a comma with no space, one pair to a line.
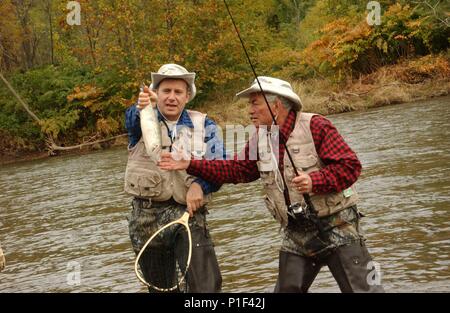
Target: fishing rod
[306,196]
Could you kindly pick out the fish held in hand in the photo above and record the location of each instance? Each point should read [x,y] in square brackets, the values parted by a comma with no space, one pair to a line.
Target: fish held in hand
[151,131]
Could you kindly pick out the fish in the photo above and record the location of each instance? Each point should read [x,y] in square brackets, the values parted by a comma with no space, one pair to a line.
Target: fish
[151,131]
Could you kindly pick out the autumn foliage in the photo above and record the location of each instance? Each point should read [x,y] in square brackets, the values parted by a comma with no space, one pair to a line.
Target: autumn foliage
[80,79]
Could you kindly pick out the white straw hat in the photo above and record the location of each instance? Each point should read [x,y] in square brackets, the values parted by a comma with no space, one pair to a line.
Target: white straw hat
[174,71]
[273,86]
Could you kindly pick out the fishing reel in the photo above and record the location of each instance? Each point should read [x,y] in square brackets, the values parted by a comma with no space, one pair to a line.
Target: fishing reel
[299,212]
[299,216]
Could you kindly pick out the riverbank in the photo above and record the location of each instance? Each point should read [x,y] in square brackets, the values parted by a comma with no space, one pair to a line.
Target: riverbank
[410,80]
[24,155]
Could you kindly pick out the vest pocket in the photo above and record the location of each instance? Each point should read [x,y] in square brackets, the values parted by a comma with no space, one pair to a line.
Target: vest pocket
[144,184]
[270,205]
[268,181]
[328,204]
[150,184]
[334,199]
[305,162]
[266,166]
[132,184]
[268,178]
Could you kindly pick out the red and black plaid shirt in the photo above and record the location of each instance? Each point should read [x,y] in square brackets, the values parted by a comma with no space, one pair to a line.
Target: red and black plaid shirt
[341,169]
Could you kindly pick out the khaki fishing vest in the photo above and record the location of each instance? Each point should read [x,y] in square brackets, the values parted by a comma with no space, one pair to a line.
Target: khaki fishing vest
[144,179]
[301,146]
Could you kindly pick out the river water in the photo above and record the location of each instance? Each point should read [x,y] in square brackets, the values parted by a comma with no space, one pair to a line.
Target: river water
[63,220]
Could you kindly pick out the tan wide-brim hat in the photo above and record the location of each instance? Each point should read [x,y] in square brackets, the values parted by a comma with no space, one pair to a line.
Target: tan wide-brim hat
[174,71]
[273,86]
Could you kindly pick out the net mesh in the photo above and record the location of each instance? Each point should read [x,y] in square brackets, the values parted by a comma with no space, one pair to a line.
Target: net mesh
[164,261]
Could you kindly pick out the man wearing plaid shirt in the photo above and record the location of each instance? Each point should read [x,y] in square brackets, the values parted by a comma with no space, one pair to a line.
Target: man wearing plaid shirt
[327,169]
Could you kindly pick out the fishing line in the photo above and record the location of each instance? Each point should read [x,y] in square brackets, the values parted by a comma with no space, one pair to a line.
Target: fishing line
[283,141]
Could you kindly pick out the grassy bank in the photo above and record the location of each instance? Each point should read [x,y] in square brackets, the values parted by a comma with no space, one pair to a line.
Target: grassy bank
[410,80]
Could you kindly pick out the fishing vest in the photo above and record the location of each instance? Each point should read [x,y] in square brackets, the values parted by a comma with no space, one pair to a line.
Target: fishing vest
[301,146]
[144,179]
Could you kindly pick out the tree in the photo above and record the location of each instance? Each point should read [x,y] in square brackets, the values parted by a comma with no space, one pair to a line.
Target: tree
[10,39]
[48,9]
[30,37]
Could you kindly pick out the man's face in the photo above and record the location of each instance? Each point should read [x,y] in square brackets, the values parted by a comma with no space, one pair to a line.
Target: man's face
[259,113]
[172,97]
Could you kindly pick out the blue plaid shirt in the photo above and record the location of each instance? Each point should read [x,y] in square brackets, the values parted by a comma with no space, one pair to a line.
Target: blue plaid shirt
[214,146]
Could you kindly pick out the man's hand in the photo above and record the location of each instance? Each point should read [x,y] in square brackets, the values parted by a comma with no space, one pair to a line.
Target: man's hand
[146,97]
[302,183]
[169,162]
[194,198]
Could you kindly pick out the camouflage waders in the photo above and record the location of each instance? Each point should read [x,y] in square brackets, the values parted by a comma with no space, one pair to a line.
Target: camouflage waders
[146,218]
[342,249]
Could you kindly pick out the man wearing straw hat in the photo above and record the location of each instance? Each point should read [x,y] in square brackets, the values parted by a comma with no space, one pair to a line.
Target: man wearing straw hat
[313,197]
[160,197]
